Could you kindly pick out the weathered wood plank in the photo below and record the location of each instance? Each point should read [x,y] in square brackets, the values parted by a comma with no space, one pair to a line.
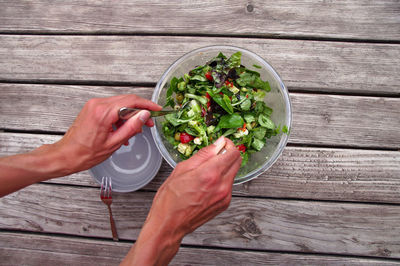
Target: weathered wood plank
[307,65]
[28,249]
[304,173]
[352,121]
[311,227]
[344,19]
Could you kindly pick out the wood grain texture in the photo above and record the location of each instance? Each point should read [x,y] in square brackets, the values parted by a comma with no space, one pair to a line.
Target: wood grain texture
[303,65]
[345,19]
[28,249]
[352,121]
[303,173]
[263,224]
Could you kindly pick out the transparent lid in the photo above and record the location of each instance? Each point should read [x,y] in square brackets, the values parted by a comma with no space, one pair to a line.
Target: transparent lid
[131,167]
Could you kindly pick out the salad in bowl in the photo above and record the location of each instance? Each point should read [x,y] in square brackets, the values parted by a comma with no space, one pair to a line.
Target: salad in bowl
[223,96]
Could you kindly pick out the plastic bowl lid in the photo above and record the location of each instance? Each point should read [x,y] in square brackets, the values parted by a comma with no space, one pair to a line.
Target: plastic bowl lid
[131,167]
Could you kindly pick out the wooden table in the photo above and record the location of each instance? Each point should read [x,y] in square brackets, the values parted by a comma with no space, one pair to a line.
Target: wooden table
[332,197]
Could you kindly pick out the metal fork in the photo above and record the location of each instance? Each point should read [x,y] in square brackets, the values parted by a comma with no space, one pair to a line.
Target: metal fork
[106,197]
[127,112]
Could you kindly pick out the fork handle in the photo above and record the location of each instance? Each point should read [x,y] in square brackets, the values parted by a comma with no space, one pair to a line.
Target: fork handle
[113,227]
[127,112]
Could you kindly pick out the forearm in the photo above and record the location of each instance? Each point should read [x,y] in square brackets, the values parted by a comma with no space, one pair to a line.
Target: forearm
[21,170]
[156,245]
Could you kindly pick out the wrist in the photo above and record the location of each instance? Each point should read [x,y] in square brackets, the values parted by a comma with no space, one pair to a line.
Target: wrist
[52,161]
[157,244]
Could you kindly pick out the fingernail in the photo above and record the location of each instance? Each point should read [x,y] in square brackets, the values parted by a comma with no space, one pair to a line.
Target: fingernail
[144,116]
[220,144]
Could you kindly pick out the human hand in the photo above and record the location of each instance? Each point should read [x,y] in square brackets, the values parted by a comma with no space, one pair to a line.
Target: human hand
[91,138]
[197,190]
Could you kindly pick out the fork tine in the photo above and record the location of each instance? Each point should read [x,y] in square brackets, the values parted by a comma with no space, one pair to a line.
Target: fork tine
[107,188]
[102,187]
[110,187]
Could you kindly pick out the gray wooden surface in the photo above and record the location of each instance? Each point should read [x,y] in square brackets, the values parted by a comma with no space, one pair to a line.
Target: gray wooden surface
[361,19]
[332,198]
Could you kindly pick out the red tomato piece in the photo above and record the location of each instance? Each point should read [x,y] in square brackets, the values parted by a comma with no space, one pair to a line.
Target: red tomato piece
[185,137]
[209,76]
[230,84]
[241,148]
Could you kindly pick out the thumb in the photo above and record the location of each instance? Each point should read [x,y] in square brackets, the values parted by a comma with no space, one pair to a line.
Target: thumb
[131,127]
[204,155]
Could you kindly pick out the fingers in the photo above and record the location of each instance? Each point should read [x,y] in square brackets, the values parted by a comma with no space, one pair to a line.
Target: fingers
[231,174]
[130,128]
[223,162]
[150,123]
[203,155]
[128,100]
[135,101]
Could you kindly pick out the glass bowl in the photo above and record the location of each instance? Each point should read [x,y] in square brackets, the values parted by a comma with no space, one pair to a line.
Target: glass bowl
[277,99]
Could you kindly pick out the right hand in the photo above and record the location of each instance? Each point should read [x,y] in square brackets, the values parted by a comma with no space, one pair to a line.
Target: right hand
[197,190]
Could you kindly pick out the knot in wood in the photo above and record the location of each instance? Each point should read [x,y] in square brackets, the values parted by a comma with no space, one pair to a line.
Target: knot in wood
[248,228]
[250,8]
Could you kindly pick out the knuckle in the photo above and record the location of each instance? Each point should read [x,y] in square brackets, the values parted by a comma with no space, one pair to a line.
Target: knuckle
[98,112]
[236,152]
[92,102]
[209,178]
[224,193]
[133,97]
[180,167]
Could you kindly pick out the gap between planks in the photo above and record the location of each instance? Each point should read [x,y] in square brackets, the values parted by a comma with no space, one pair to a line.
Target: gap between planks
[97,83]
[59,237]
[243,36]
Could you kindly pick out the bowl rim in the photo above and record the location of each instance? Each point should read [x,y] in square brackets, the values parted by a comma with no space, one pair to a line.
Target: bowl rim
[288,108]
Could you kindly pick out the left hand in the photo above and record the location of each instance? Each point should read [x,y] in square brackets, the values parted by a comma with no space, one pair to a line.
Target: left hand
[91,138]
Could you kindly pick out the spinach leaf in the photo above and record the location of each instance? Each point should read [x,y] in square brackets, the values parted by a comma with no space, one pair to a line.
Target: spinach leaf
[229,132]
[224,101]
[259,107]
[259,95]
[230,121]
[201,99]
[267,111]
[221,55]
[234,60]
[172,88]
[245,79]
[168,129]
[191,131]
[173,85]
[228,104]
[175,121]
[285,129]
[245,105]
[249,78]
[170,102]
[249,118]
[257,144]
[265,121]
[259,132]
[198,78]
